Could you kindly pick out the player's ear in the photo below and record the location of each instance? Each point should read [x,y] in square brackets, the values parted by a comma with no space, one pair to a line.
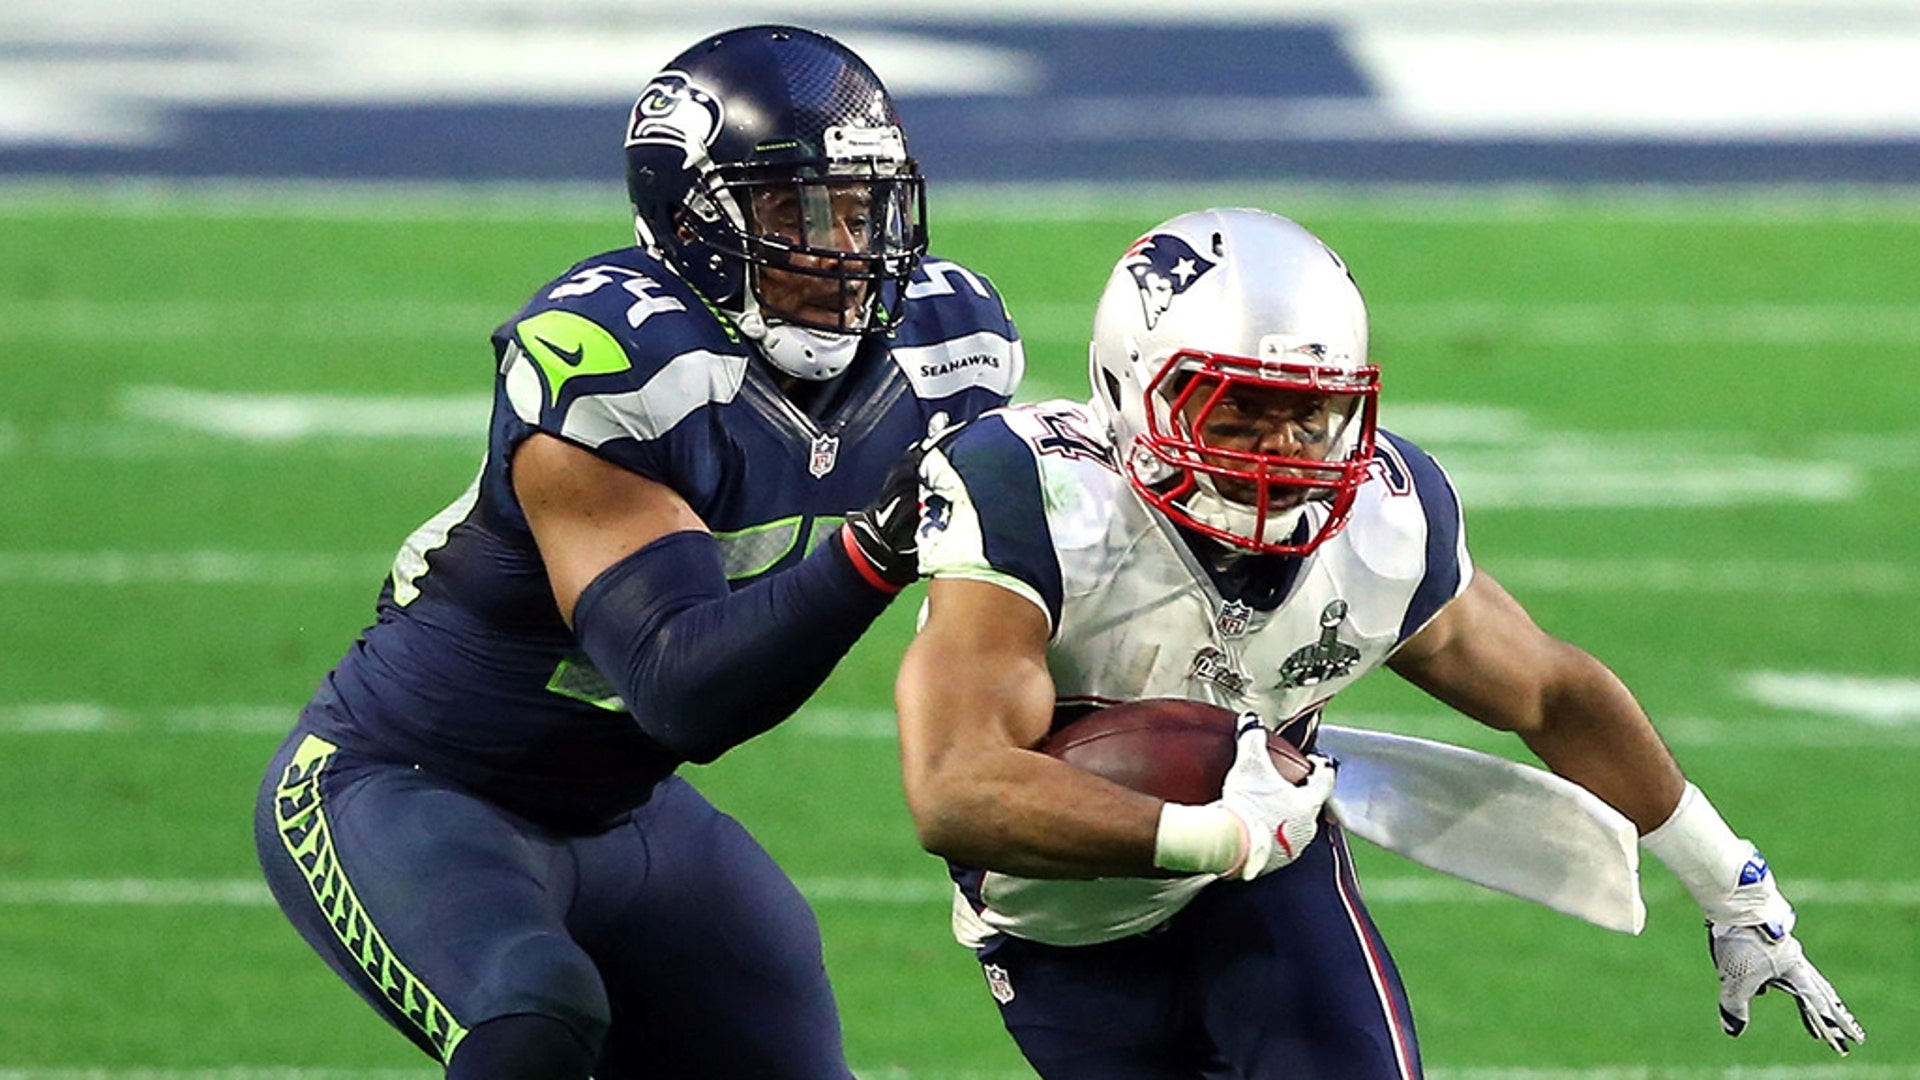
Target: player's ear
[682,231]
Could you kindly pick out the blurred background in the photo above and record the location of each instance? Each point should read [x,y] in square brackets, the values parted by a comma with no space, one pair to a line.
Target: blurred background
[1697,91]
[1645,276]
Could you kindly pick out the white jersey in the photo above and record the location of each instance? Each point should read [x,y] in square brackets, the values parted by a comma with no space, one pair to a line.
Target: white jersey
[1029,498]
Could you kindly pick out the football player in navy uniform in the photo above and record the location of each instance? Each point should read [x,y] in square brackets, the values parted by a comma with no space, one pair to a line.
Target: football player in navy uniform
[690,508]
[1225,522]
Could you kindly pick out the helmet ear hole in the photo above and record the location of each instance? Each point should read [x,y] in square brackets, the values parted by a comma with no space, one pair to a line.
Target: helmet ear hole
[1111,384]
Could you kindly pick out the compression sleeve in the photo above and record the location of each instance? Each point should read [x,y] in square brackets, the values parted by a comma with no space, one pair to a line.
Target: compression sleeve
[704,668]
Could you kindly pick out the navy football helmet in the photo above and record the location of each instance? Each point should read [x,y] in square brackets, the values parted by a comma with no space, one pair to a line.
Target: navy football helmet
[768,165]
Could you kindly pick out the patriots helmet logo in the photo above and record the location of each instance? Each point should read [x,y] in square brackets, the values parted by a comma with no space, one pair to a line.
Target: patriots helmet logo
[1163,266]
[673,111]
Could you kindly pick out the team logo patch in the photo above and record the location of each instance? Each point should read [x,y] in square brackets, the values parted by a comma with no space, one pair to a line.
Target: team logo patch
[936,513]
[999,983]
[826,452]
[1163,266]
[672,111]
[1214,666]
[1234,618]
[1328,658]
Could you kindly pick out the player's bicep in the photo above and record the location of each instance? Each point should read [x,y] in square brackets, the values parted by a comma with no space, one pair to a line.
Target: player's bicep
[587,513]
[974,679]
[1483,655]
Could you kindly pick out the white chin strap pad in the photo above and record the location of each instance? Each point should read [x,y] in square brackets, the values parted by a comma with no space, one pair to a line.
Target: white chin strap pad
[1207,506]
[812,355]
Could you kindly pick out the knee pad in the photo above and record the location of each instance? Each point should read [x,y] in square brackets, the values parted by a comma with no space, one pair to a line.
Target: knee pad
[521,1047]
[550,976]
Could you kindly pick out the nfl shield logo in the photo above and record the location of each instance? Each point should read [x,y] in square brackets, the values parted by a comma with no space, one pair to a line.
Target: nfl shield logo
[999,983]
[826,451]
[1234,619]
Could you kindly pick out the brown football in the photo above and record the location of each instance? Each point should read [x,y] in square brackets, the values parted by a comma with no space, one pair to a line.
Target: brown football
[1170,748]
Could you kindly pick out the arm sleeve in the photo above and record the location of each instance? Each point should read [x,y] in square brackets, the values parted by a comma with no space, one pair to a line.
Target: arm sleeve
[704,668]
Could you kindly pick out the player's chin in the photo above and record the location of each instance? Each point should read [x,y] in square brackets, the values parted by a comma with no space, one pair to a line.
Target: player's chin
[1248,495]
[828,314]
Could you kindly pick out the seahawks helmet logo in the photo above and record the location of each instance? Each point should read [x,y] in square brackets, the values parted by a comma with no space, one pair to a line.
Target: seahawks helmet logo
[674,112]
[1163,266]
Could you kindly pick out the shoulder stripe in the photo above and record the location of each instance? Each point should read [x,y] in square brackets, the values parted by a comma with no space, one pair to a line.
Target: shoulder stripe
[1002,481]
[982,359]
[687,382]
[1447,567]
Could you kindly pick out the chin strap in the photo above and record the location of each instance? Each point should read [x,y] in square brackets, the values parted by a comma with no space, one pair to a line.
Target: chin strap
[811,355]
[1208,507]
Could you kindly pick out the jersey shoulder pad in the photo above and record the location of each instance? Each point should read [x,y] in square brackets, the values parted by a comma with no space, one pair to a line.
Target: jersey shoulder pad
[619,346]
[1012,490]
[955,334]
[1408,525]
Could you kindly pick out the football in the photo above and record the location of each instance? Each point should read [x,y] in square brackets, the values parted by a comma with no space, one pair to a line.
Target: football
[1170,748]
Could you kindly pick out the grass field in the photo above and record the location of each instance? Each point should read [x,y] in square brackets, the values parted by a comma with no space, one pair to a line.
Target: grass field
[1687,430]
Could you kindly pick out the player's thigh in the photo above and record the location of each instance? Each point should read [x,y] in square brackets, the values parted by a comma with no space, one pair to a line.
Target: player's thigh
[711,956]
[440,909]
[1297,982]
[1114,1011]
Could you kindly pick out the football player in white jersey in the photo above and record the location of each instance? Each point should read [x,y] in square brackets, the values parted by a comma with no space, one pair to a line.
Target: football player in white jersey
[1226,522]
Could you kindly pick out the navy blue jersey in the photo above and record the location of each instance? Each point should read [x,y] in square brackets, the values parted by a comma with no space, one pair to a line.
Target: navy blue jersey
[470,670]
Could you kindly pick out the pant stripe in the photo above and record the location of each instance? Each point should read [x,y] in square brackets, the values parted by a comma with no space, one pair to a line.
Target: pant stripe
[1397,1027]
[301,821]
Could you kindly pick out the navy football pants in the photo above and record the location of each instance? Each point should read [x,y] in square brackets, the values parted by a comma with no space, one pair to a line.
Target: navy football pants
[672,943]
[1282,978]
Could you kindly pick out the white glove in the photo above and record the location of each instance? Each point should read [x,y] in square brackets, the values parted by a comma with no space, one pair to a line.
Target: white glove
[1752,959]
[1280,818]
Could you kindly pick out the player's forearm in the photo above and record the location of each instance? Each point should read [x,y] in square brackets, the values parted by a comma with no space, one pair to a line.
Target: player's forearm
[979,798]
[1592,731]
[1023,813]
[704,668]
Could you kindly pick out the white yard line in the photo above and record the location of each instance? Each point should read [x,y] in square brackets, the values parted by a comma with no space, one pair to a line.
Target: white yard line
[117,568]
[1880,702]
[1497,457]
[283,417]
[75,319]
[1760,577]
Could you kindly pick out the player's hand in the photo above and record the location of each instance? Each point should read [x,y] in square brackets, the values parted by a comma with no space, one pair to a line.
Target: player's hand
[1280,818]
[1755,959]
[883,533]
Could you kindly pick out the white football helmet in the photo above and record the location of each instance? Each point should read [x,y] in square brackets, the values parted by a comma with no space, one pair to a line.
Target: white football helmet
[1206,304]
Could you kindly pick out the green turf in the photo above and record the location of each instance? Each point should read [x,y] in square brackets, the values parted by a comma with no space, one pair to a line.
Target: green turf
[1685,336]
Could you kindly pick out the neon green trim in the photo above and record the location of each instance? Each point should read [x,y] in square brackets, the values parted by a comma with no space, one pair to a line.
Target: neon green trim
[564,345]
[304,831]
[823,527]
[754,550]
[578,679]
[725,320]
